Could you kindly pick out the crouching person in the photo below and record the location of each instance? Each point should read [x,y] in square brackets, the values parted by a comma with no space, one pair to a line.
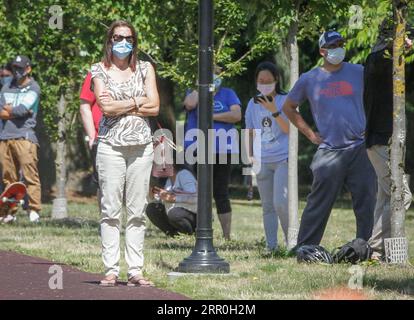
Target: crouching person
[175,206]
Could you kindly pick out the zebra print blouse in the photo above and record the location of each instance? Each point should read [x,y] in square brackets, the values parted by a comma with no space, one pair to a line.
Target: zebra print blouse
[125,130]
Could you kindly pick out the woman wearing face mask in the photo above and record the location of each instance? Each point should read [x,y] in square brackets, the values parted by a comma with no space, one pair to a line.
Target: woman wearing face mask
[226,112]
[127,94]
[268,128]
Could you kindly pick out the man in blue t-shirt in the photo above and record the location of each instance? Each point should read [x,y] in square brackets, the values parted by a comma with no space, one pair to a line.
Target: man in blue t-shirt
[335,94]
[226,112]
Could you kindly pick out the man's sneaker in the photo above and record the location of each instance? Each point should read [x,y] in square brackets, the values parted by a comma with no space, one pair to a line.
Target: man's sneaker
[34,216]
[9,218]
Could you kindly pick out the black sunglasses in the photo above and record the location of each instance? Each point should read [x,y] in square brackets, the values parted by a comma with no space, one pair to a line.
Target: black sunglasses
[119,38]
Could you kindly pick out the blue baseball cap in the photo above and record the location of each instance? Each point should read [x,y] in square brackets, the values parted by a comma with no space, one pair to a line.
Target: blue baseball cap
[329,37]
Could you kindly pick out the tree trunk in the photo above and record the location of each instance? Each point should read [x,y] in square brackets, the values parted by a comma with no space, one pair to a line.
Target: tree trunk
[59,210]
[293,201]
[399,126]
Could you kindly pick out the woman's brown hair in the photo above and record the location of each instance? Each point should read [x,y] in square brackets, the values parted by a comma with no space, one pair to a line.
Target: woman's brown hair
[107,58]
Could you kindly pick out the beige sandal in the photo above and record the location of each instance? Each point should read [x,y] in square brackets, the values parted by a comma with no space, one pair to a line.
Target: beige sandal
[139,281]
[110,280]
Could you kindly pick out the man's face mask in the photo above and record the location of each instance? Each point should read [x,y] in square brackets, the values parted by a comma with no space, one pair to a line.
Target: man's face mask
[335,52]
[335,56]
[217,82]
[19,74]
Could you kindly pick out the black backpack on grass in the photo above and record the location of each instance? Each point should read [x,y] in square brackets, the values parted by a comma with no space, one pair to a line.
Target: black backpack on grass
[355,251]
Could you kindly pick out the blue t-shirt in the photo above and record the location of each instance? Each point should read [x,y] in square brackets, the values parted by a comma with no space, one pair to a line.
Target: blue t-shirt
[270,143]
[336,100]
[226,135]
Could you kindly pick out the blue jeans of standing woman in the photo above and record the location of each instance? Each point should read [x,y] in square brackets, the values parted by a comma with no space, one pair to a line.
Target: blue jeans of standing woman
[272,182]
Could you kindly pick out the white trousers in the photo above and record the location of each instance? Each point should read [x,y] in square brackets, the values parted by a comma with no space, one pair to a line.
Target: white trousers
[123,172]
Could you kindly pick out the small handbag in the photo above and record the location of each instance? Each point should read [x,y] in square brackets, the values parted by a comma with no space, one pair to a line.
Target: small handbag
[162,166]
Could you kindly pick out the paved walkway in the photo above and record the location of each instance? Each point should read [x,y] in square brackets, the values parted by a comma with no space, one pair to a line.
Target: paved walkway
[25,277]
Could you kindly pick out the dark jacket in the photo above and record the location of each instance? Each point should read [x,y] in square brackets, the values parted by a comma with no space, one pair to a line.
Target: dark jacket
[378,98]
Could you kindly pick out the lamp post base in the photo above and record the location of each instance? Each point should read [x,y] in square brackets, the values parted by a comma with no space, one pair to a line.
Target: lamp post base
[204,261]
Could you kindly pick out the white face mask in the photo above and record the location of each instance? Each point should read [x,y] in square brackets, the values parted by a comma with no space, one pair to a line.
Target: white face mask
[335,56]
[266,89]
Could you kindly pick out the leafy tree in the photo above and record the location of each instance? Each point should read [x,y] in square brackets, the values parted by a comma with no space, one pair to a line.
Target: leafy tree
[245,32]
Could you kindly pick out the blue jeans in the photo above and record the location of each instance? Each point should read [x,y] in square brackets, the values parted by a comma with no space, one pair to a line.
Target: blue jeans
[272,182]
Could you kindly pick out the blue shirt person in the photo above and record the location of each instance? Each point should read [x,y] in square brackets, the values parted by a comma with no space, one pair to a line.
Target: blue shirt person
[336,101]
[226,112]
[335,94]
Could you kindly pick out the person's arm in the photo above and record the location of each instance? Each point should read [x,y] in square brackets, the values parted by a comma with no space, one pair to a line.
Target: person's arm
[87,120]
[24,109]
[87,100]
[282,123]
[232,116]
[369,82]
[166,196]
[5,109]
[191,100]
[249,137]
[109,106]
[149,106]
[248,142]
[4,114]
[290,110]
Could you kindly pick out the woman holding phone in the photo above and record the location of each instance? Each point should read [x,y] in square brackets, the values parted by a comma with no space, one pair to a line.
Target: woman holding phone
[269,128]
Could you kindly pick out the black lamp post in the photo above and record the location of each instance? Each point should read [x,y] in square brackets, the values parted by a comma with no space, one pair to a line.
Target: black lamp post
[204,258]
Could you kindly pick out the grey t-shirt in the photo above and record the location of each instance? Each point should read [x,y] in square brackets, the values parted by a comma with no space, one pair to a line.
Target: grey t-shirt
[270,143]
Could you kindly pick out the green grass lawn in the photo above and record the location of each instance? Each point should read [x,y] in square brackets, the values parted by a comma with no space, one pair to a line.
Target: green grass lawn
[253,275]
